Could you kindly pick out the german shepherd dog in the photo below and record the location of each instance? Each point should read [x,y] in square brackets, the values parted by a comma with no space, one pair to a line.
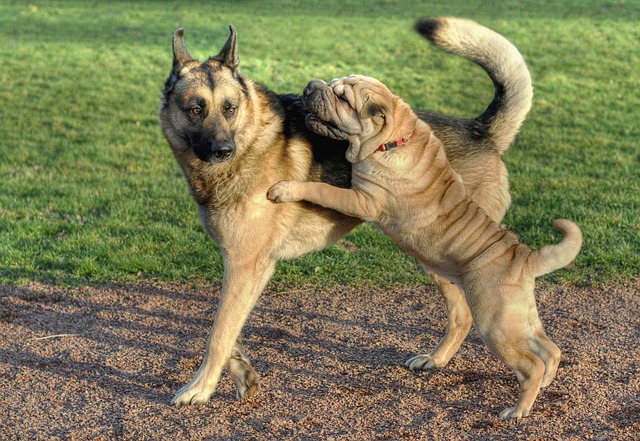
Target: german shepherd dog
[234,139]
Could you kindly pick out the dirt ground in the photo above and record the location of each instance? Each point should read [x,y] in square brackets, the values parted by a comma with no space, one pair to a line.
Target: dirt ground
[104,363]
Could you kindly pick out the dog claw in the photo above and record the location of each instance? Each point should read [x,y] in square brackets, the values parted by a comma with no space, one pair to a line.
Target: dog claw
[283,191]
[511,413]
[420,363]
[247,392]
[188,396]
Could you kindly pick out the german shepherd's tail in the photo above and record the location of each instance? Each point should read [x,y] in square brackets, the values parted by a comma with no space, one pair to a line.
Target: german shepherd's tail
[553,257]
[500,59]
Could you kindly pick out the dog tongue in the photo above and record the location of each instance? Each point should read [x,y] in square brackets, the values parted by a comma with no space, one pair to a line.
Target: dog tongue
[322,128]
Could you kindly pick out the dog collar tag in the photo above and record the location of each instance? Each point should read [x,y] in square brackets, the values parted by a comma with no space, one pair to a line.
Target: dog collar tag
[393,144]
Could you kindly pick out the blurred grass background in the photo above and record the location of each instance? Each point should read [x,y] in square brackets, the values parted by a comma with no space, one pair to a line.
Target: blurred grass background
[90,192]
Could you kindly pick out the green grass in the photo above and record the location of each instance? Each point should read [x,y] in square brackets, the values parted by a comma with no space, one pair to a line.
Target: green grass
[90,193]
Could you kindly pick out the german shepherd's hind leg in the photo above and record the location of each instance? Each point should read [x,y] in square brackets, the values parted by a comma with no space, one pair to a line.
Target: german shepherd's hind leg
[242,372]
[458,328]
[242,285]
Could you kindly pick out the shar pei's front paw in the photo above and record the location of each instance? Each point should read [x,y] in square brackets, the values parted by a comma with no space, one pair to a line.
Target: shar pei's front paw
[284,191]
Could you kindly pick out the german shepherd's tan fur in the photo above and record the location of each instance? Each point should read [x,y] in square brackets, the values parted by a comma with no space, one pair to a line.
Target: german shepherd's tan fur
[234,139]
[414,195]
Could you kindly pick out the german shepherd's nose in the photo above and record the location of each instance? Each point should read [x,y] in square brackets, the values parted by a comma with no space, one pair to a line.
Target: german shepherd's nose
[212,150]
[222,151]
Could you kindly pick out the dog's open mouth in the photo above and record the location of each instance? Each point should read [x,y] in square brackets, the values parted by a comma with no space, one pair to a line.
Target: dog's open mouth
[323,128]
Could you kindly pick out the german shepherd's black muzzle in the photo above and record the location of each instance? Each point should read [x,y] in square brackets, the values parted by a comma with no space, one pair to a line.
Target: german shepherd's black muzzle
[216,151]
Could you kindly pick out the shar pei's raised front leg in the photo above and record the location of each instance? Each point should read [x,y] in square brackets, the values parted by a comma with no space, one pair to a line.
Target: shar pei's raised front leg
[347,201]
[242,285]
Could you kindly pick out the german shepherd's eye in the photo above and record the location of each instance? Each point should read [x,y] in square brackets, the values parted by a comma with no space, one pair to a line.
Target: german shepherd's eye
[231,110]
[196,110]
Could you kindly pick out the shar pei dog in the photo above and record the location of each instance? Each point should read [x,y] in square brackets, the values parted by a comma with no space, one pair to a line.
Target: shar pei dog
[404,183]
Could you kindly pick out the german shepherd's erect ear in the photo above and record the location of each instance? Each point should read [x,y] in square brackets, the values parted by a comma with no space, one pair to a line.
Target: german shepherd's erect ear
[229,53]
[181,55]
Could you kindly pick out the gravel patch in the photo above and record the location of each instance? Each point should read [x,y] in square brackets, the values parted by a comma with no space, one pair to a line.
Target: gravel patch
[104,362]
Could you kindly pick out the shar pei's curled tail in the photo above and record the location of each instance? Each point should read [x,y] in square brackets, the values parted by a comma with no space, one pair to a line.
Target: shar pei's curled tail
[553,257]
[502,62]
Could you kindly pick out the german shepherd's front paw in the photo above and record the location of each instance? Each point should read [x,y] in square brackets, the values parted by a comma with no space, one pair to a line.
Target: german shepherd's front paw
[421,363]
[192,393]
[284,191]
[511,413]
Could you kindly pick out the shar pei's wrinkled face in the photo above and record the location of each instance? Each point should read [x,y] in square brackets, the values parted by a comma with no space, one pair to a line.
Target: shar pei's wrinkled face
[356,108]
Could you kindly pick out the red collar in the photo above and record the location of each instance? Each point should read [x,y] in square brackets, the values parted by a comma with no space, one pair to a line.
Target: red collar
[392,144]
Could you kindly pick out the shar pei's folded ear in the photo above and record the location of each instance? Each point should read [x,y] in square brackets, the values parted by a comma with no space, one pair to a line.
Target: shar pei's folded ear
[370,109]
[377,124]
